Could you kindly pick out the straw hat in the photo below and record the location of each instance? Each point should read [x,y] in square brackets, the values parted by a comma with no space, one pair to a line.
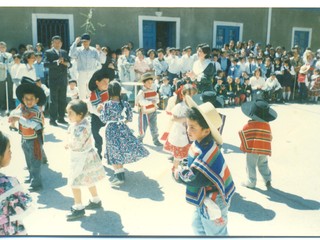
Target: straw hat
[210,115]
[146,76]
[304,69]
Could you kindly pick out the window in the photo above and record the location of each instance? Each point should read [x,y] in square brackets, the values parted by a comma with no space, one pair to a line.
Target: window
[223,32]
[302,38]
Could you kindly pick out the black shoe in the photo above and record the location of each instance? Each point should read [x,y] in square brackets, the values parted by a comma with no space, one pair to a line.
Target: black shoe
[75,214]
[14,129]
[62,121]
[268,184]
[35,188]
[157,143]
[93,205]
[117,180]
[53,123]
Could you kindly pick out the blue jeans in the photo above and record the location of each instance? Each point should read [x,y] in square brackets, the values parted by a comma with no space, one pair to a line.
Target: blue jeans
[33,164]
[145,120]
[260,161]
[203,226]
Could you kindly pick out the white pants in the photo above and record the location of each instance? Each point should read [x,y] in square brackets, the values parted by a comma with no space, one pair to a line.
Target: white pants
[83,81]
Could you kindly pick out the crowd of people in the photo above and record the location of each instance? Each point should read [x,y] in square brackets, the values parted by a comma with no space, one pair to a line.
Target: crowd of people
[90,81]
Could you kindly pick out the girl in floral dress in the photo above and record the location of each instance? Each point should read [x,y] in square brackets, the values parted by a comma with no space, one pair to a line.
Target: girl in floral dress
[178,142]
[86,168]
[14,203]
[122,146]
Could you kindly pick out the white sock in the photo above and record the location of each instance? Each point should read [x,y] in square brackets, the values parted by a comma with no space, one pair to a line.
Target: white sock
[95,199]
[78,207]
[289,93]
[284,95]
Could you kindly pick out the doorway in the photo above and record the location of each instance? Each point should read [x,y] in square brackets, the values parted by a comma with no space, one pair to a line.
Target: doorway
[159,32]
[45,26]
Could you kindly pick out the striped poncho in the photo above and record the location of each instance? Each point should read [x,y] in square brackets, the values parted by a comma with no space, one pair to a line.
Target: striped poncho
[209,162]
[256,138]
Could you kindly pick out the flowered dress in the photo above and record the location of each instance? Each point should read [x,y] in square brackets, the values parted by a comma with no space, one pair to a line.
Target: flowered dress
[14,206]
[85,165]
[178,142]
[121,145]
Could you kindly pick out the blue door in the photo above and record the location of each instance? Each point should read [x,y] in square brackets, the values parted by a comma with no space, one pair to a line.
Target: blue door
[149,35]
[301,38]
[225,34]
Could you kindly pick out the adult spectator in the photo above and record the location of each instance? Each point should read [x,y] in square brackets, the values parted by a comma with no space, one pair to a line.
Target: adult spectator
[202,70]
[5,61]
[160,65]
[173,65]
[257,83]
[186,61]
[58,62]
[88,61]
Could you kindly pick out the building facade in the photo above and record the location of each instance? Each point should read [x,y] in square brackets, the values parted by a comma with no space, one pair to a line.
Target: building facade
[161,27]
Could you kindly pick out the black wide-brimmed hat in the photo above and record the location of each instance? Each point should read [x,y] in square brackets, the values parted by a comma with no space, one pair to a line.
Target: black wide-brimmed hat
[29,86]
[208,96]
[259,110]
[99,75]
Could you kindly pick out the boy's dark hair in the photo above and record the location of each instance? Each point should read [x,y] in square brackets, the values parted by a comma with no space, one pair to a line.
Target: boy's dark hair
[27,55]
[4,141]
[195,115]
[78,106]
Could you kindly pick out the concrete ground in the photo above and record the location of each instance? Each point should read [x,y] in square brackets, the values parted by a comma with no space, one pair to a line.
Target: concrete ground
[151,203]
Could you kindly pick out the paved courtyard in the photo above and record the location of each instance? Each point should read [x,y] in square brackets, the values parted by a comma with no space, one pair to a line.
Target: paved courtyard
[151,203]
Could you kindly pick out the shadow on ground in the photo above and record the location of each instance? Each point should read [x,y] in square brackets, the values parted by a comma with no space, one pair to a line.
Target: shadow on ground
[102,222]
[229,148]
[291,200]
[250,210]
[51,138]
[49,196]
[139,186]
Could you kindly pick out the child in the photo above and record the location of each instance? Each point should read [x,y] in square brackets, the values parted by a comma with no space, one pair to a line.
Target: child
[147,100]
[303,82]
[122,146]
[240,94]
[98,85]
[221,90]
[14,204]
[39,67]
[165,92]
[273,89]
[248,89]
[288,79]
[16,82]
[256,140]
[178,142]
[31,121]
[209,183]
[85,165]
[315,85]
[230,87]
[72,90]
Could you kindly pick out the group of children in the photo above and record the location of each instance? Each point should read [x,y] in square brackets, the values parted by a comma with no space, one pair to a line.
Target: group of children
[193,135]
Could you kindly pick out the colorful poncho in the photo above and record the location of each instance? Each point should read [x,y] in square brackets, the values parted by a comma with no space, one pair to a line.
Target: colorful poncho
[256,138]
[209,161]
[14,205]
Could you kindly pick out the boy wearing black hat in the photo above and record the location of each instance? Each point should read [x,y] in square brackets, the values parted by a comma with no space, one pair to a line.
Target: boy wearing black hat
[147,100]
[30,119]
[98,85]
[256,140]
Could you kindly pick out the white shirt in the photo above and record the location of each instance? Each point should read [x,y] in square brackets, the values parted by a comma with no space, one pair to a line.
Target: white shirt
[186,63]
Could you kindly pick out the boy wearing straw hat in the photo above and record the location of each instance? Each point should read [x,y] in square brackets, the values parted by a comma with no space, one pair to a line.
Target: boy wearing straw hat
[147,100]
[256,140]
[209,183]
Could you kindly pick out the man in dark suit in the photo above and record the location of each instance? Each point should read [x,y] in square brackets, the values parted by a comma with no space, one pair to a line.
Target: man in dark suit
[58,62]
